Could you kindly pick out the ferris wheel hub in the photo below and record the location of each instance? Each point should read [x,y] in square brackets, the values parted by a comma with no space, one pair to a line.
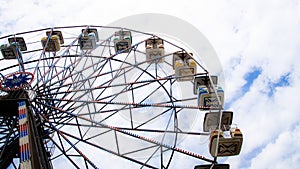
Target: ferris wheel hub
[16,81]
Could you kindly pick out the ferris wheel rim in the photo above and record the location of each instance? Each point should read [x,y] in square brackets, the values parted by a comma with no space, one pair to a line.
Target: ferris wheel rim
[69,56]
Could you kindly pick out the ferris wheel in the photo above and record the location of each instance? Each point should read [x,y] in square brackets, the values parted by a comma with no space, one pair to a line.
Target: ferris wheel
[73,98]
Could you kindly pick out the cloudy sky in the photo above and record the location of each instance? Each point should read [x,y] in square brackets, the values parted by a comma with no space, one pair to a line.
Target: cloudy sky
[257,43]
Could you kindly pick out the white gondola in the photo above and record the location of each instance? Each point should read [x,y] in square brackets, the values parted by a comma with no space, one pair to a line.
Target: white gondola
[207,97]
[229,143]
[211,120]
[122,41]
[10,51]
[87,41]
[155,50]
[184,65]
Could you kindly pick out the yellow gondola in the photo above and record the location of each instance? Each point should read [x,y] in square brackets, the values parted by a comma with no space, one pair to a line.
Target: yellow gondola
[52,44]
[58,33]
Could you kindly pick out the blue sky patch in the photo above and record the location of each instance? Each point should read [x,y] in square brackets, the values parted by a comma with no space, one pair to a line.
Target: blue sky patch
[250,78]
[283,81]
[251,155]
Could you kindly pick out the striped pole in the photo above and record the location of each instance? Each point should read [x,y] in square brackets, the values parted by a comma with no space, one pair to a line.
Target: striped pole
[25,161]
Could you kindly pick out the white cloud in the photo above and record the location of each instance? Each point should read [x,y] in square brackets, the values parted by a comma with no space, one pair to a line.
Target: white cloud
[282,153]
[262,35]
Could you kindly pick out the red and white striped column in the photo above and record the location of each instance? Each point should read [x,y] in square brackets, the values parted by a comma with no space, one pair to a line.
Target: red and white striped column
[25,161]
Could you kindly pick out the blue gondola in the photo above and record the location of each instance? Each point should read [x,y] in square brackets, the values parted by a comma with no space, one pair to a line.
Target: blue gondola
[207,97]
[87,41]
[91,30]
